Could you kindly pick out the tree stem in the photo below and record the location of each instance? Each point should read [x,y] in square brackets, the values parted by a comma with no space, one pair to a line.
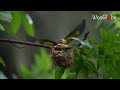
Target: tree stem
[28,43]
[35,44]
[24,43]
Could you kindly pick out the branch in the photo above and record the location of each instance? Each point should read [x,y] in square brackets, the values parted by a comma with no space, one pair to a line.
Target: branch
[29,43]
[24,43]
[37,45]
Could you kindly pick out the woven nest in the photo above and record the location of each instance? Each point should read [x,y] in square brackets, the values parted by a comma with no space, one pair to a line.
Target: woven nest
[61,58]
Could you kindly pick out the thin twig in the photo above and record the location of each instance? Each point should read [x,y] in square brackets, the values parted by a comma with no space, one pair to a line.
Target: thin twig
[23,42]
[28,43]
[35,44]
[17,46]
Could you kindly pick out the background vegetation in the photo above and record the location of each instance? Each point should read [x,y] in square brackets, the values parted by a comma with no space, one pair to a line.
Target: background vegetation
[99,58]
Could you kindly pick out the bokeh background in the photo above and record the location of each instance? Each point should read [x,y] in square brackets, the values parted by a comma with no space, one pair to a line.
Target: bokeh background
[48,25]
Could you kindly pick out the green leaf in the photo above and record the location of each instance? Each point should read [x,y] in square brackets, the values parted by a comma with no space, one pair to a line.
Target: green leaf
[2,76]
[91,67]
[110,71]
[100,61]
[42,67]
[43,62]
[75,67]
[117,14]
[114,62]
[72,76]
[59,72]
[46,59]
[25,72]
[112,26]
[5,16]
[2,28]
[101,49]
[77,62]
[112,36]
[93,39]
[86,43]
[28,24]
[8,29]
[106,71]
[113,72]
[16,22]
[104,34]
[77,39]
[72,49]
[87,52]
[2,62]
[83,73]
[118,68]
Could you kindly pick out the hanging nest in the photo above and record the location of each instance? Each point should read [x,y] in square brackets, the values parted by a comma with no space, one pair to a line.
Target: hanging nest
[61,57]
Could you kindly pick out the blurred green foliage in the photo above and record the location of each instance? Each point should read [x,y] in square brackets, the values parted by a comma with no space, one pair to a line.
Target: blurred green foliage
[2,62]
[2,76]
[59,72]
[115,25]
[16,19]
[104,55]
[98,59]
[94,60]
[21,18]
[42,67]
[5,16]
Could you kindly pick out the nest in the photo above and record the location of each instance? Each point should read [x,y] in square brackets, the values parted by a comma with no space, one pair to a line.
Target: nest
[61,57]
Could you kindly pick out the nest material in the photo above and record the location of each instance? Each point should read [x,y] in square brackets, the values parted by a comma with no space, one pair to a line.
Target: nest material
[61,58]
